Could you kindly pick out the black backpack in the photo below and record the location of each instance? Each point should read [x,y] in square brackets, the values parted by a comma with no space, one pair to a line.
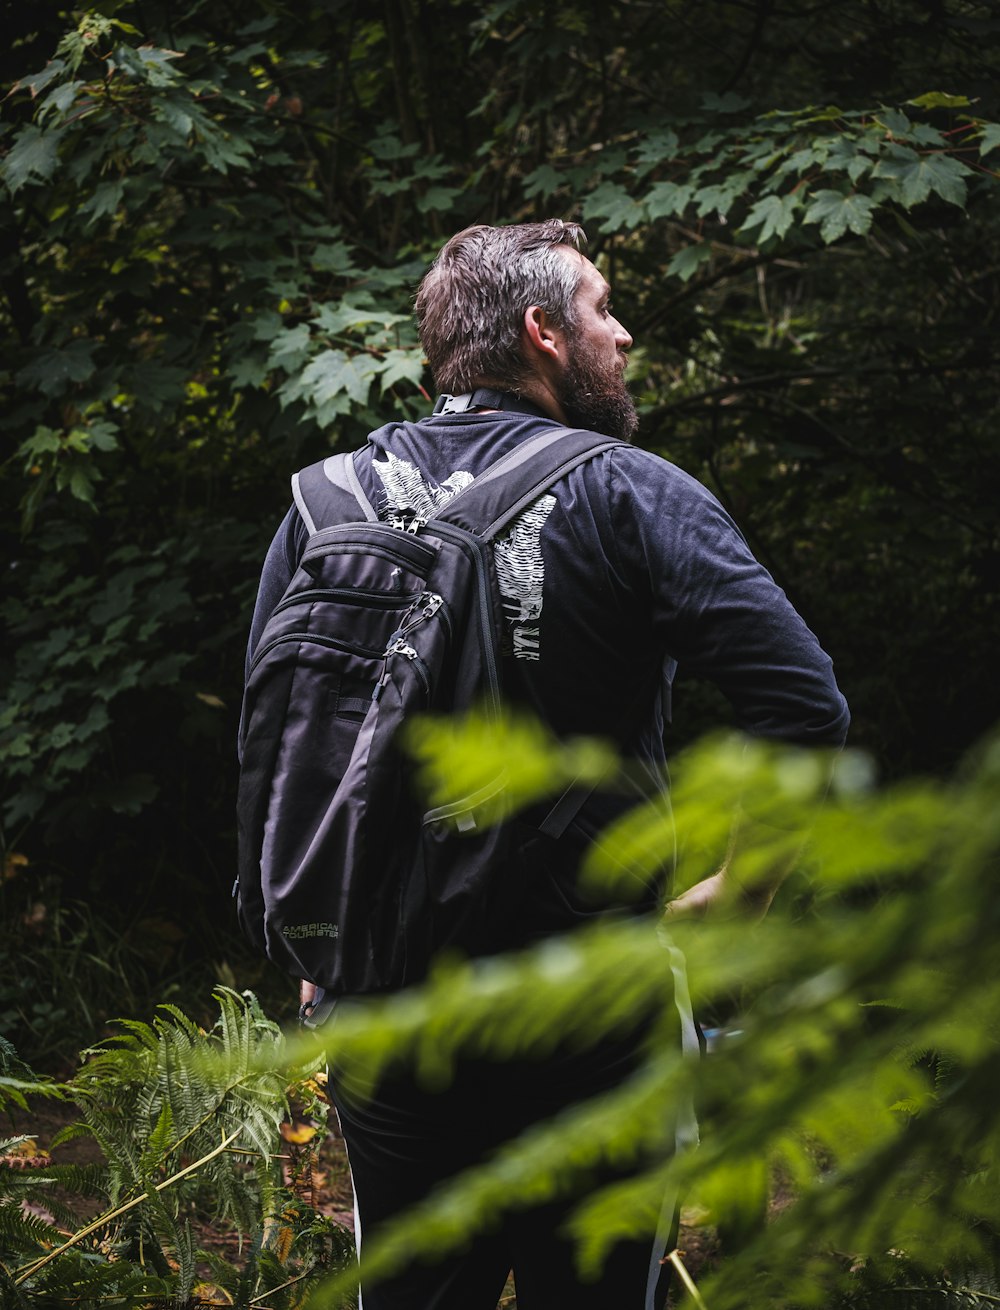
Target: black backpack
[344,879]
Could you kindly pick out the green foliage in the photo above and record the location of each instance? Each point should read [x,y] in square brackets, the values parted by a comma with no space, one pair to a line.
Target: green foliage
[91,649]
[18,1081]
[187,1124]
[864,1071]
[818,165]
[154,1073]
[152,149]
[131,203]
[862,1077]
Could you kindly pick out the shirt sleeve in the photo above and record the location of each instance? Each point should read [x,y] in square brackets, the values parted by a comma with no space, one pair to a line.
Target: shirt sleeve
[717,611]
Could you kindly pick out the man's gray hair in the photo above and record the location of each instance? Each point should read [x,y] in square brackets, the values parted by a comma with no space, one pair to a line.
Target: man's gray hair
[471,303]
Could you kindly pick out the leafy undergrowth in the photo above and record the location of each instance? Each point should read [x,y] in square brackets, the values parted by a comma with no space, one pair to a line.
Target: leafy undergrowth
[314,1169]
[177,1167]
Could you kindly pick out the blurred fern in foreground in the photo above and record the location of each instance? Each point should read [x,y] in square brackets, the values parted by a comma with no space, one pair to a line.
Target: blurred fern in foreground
[863,1076]
[866,1071]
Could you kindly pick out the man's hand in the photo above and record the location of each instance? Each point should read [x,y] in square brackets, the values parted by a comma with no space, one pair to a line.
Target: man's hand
[307,993]
[698,900]
[721,896]
[728,895]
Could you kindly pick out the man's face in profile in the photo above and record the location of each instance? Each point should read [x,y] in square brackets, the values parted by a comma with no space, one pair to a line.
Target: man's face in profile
[591,389]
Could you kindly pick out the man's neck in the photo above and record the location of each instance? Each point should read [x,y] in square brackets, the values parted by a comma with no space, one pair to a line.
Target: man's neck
[538,393]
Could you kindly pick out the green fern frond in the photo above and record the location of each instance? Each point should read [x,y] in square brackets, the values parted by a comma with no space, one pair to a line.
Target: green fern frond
[184,1253]
[164,1101]
[84,1279]
[70,1133]
[17,1090]
[159,1144]
[21,1232]
[7,1144]
[112,1130]
[44,1188]
[10,1061]
[873,1284]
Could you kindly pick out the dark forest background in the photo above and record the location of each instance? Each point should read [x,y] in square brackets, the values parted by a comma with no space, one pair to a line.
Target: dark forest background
[213,218]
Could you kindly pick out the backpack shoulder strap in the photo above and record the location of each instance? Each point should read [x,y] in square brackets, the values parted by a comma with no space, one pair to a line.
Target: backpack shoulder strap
[495,498]
[329,492]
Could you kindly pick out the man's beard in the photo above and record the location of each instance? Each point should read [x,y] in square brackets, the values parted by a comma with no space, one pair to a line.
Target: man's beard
[593,395]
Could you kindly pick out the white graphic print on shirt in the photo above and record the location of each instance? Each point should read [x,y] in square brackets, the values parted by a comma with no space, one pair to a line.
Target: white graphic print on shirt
[521,574]
[518,553]
[405,488]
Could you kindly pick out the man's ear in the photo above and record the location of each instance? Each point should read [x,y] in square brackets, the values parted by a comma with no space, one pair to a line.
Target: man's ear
[541,334]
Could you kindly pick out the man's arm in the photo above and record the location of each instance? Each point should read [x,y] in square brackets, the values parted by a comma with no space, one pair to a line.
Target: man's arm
[724,618]
[718,612]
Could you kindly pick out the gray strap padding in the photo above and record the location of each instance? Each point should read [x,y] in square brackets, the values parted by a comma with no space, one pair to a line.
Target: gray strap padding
[300,503]
[329,492]
[325,493]
[344,464]
[528,450]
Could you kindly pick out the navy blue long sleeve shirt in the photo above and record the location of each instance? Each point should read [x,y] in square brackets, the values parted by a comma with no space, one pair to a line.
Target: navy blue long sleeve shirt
[628,569]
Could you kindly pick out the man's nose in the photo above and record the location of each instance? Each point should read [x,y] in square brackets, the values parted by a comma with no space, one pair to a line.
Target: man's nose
[623,338]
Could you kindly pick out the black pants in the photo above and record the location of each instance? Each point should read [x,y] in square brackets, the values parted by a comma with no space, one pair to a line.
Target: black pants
[404,1140]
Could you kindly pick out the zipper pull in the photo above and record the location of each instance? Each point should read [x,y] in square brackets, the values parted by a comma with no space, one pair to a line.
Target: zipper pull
[424,607]
[400,647]
[407,521]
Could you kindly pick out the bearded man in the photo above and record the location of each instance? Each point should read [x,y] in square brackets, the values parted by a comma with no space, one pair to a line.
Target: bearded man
[625,569]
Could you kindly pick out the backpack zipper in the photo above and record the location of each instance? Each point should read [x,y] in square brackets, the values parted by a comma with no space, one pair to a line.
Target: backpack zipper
[351,596]
[428,603]
[315,639]
[423,608]
[400,647]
